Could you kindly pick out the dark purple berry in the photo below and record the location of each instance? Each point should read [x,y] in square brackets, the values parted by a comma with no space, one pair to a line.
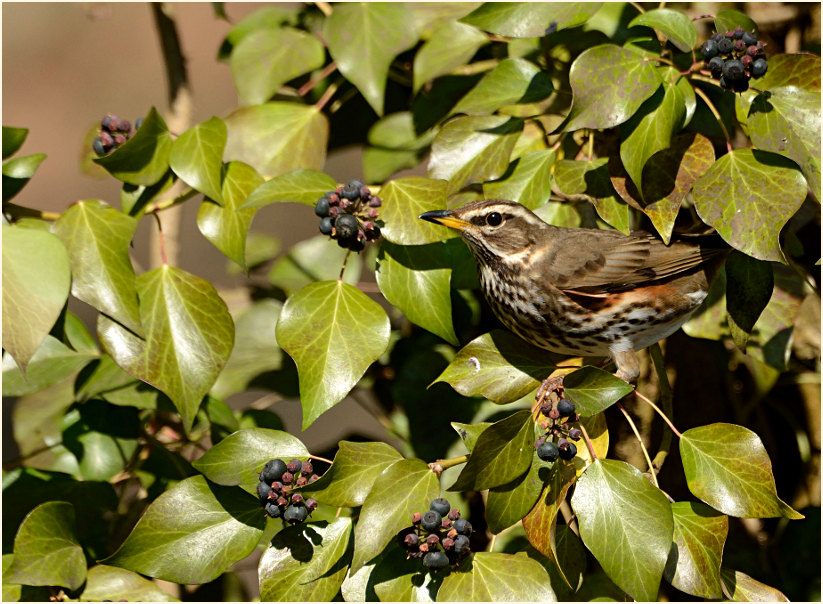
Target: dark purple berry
[741,85]
[263,491]
[98,147]
[296,499]
[357,245]
[463,527]
[321,208]
[326,225]
[119,139]
[411,540]
[435,560]
[725,46]
[282,501]
[302,481]
[441,506]
[709,49]
[733,70]
[124,126]
[432,540]
[306,469]
[110,123]
[273,511]
[311,504]
[454,514]
[448,543]
[548,451]
[365,193]
[568,451]
[375,202]
[287,477]
[738,32]
[759,67]
[739,45]
[106,139]
[575,433]
[461,545]
[295,514]
[749,38]
[752,51]
[729,34]
[431,521]
[716,66]
[565,407]
[747,61]
[294,466]
[273,471]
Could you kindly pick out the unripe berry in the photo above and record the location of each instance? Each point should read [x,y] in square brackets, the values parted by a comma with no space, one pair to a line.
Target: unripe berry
[416,518]
[287,477]
[98,147]
[297,498]
[294,466]
[575,433]
[432,540]
[411,540]
[124,126]
[311,504]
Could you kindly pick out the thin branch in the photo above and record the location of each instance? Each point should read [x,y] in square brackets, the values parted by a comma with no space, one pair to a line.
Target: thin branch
[449,463]
[588,442]
[318,458]
[308,86]
[716,115]
[666,398]
[656,408]
[327,95]
[160,239]
[15,211]
[640,440]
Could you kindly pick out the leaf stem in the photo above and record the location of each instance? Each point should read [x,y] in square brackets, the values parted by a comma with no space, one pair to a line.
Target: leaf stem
[308,86]
[169,202]
[343,268]
[160,239]
[640,440]
[318,458]
[656,408]
[490,546]
[16,211]
[666,398]
[327,95]
[715,113]
[477,67]
[588,441]
[450,463]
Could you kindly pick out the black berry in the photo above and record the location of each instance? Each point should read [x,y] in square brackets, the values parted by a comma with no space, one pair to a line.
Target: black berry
[295,514]
[738,32]
[351,191]
[346,226]
[441,506]
[98,147]
[273,511]
[273,471]
[263,490]
[138,123]
[548,451]
[716,66]
[565,407]
[431,521]
[749,38]
[411,540]
[734,70]
[463,527]
[725,46]
[709,49]
[568,452]
[461,545]
[326,225]
[321,208]
[435,560]
[124,126]
[759,67]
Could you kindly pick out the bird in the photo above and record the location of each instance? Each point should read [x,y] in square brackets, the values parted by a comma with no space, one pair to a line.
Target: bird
[583,292]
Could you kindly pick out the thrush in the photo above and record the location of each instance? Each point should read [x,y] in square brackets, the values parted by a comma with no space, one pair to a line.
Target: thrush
[583,292]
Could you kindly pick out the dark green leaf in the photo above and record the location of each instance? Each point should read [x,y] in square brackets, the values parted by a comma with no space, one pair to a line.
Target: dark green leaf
[13,139]
[469,433]
[52,362]
[749,285]
[725,20]
[529,19]
[450,46]
[300,186]
[508,503]
[494,577]
[112,583]
[144,158]
[404,199]
[743,588]
[593,390]
[529,182]
[135,200]
[197,157]
[396,578]
[18,171]
[674,24]
[512,81]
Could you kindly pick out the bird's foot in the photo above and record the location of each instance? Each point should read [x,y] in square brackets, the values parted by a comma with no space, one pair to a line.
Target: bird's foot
[547,387]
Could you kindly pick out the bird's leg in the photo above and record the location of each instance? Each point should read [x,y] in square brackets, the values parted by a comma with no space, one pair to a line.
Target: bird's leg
[628,367]
[549,385]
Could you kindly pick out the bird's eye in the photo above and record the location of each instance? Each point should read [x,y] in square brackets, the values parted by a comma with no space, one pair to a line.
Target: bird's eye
[494,219]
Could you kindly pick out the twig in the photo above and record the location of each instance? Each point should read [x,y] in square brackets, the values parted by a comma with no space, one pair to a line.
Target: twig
[656,408]
[328,461]
[308,86]
[160,239]
[715,113]
[588,442]
[324,7]
[450,463]
[666,398]
[343,268]
[16,211]
[640,440]
[327,95]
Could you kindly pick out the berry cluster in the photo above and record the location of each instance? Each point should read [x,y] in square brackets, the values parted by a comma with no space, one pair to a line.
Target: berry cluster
[554,442]
[348,214]
[113,133]
[734,57]
[277,481]
[439,536]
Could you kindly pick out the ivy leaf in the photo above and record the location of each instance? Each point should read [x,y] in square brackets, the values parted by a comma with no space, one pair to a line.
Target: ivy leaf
[197,157]
[396,578]
[333,331]
[109,582]
[513,81]
[393,145]
[189,336]
[404,199]
[315,259]
[725,20]
[403,488]
[46,550]
[263,18]
[136,199]
[13,138]
[276,138]
[363,39]
[609,84]
[349,480]
[693,566]
[745,589]
[144,158]
[495,577]
[239,458]
[529,181]
[192,533]
[52,362]
[529,19]
[748,195]
[727,467]
[591,179]
[299,186]
[593,390]
[502,453]
[771,341]
[749,286]
[266,59]
[498,366]
[674,24]
[36,281]
[414,279]
[508,503]
[473,149]
[18,171]
[469,433]
[306,562]
[227,226]
[631,546]
[450,46]
[97,238]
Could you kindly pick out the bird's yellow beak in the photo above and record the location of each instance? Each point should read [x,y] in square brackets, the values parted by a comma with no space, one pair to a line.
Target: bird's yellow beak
[446,218]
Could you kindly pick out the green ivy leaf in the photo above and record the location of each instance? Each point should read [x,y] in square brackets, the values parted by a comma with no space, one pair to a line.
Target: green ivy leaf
[239,458]
[748,195]
[404,199]
[46,550]
[494,577]
[529,180]
[192,533]
[450,46]
[591,179]
[674,24]
[508,503]
[36,281]
[693,566]
[269,57]
[396,578]
[725,20]
[498,366]
[97,238]
[415,280]
[263,18]
[144,158]
[349,480]
[135,200]
[771,340]
[403,488]
[502,453]
[469,433]
[197,157]
[609,84]
[17,172]
[52,362]
[306,563]
[393,145]
[189,336]
[333,331]
[276,138]
[727,467]
[109,582]
[529,19]
[299,186]
[631,546]
[594,390]
[314,259]
[473,149]
[227,226]
[749,286]
[743,588]
[13,138]
[364,38]
[512,81]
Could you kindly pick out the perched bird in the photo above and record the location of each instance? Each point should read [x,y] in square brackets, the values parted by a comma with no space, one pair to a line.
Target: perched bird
[583,292]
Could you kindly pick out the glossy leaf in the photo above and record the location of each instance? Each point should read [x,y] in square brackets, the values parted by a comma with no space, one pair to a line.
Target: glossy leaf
[591,179]
[469,433]
[700,533]
[239,458]
[36,281]
[631,546]
[197,157]
[263,18]
[46,550]
[727,467]
[404,199]
[495,577]
[743,588]
[266,59]
[144,158]
[609,84]
[396,578]
[218,526]
[529,19]
[725,20]
[502,453]
[349,480]
[314,259]
[748,196]
[415,280]
[18,171]
[450,46]
[509,503]
[498,366]
[749,286]
[13,139]
[593,390]
[189,336]
[674,24]
[363,39]
[300,186]
[135,200]
[512,81]
[276,138]
[403,488]
[52,362]
[529,182]
[227,226]
[112,583]
[771,340]
[333,331]
[306,562]
[97,238]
